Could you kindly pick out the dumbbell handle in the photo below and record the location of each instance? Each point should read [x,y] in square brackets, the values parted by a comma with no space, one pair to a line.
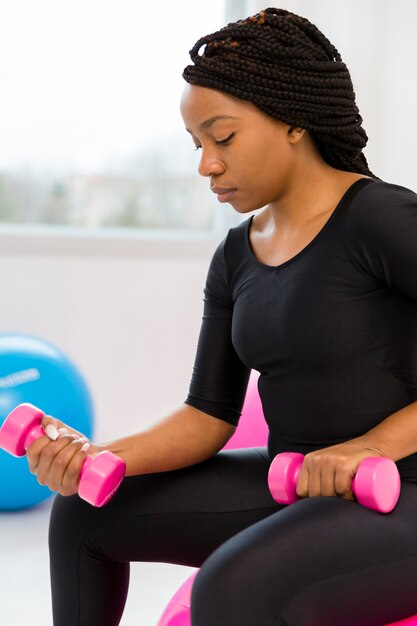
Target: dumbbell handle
[376,484]
[36,432]
[297,473]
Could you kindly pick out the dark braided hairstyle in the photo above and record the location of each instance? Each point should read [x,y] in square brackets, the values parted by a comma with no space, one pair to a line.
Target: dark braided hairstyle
[284,65]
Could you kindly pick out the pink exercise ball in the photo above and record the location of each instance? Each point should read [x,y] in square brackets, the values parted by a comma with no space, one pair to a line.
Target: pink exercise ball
[177,612]
[252,430]
[408,621]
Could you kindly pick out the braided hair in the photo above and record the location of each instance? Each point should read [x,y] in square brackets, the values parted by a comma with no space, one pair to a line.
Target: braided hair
[284,65]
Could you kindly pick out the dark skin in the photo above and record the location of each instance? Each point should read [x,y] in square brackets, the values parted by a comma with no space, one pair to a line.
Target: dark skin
[272,166]
[270,163]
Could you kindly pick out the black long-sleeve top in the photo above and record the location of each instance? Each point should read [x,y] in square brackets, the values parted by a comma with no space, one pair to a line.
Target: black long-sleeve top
[332,331]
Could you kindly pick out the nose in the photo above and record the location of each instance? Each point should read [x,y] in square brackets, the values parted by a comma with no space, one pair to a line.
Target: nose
[210,165]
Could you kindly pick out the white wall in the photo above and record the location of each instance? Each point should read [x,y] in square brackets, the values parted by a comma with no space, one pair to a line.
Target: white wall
[127,312]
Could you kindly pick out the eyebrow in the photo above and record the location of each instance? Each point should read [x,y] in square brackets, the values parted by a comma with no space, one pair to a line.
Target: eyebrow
[213,119]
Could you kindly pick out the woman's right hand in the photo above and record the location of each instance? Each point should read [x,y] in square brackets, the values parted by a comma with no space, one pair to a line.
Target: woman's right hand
[56,459]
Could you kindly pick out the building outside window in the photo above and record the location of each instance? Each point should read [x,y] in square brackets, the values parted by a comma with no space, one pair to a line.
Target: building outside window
[90,128]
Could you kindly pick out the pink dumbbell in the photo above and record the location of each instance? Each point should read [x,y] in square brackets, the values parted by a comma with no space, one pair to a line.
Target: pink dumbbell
[375,485]
[100,476]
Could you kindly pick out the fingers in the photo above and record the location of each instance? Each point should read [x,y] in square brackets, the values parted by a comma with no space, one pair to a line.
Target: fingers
[320,477]
[71,477]
[64,471]
[57,458]
[55,453]
[53,430]
[342,483]
[51,425]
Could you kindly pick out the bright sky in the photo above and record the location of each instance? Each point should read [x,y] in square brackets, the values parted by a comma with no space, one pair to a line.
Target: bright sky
[86,82]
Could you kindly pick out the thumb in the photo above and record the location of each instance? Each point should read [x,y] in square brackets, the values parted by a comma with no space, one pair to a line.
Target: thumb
[50,426]
[53,428]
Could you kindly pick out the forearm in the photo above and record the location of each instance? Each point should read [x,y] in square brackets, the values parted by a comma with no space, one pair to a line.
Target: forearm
[396,435]
[185,437]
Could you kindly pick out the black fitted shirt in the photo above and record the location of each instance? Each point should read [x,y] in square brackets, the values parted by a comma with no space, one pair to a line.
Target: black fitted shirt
[332,331]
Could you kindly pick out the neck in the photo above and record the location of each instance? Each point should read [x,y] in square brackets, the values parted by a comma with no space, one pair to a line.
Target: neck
[311,193]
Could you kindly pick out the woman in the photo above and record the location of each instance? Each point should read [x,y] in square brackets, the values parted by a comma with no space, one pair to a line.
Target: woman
[317,292]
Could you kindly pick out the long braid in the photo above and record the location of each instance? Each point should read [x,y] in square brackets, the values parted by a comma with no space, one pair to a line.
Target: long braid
[284,65]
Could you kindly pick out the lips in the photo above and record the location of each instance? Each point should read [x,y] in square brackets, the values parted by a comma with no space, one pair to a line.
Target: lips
[224,194]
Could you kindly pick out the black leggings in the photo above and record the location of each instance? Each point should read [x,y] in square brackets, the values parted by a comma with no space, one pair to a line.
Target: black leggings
[321,561]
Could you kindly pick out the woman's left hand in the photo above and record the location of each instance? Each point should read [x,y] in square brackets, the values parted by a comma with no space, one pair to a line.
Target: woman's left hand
[329,471]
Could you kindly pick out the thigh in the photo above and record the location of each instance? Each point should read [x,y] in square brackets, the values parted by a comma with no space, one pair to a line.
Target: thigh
[370,566]
[319,562]
[179,516]
[172,517]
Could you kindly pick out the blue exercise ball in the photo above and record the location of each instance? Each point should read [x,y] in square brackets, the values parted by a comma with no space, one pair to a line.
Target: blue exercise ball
[35,371]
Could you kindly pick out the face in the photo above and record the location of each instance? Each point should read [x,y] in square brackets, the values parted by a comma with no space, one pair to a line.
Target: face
[249,156]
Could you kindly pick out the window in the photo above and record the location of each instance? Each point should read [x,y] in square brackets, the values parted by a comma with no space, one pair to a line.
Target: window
[91,133]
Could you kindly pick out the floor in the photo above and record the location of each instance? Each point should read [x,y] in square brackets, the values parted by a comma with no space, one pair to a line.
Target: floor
[24,575]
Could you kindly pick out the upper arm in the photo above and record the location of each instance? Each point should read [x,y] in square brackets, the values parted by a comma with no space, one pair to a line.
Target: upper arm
[215,429]
[219,377]
[382,236]
[382,241]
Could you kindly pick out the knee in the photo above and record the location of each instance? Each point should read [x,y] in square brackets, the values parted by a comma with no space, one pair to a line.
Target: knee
[68,522]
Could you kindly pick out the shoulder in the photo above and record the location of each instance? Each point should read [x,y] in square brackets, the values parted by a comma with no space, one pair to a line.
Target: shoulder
[227,256]
[380,205]
[381,231]
[234,240]
[381,193]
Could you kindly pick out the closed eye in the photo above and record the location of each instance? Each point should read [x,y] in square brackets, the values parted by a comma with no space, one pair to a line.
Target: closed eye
[224,142]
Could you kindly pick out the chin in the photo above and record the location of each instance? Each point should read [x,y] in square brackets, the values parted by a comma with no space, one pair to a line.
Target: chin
[246,207]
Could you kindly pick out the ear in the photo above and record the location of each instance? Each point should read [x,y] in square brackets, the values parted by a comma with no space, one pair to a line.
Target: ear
[295,133]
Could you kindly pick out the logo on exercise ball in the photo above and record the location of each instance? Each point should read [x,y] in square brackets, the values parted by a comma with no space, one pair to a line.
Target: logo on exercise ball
[19,378]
